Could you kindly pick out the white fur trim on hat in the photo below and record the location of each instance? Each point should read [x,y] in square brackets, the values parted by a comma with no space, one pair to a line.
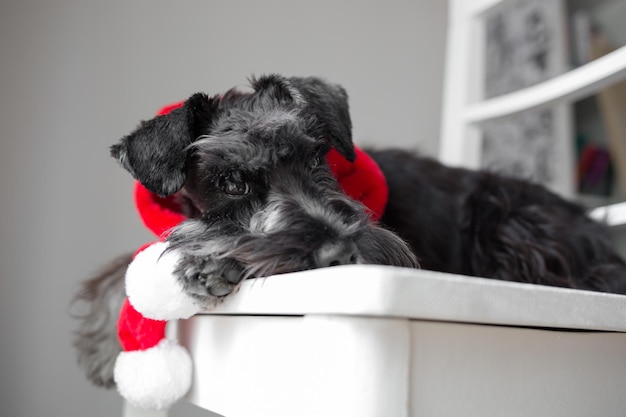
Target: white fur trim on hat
[154,378]
[152,288]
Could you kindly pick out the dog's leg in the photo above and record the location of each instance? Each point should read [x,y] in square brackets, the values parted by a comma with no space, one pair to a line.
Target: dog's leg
[96,338]
[203,270]
[208,276]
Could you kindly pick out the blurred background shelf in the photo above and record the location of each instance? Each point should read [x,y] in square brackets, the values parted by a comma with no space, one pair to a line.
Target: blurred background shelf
[595,29]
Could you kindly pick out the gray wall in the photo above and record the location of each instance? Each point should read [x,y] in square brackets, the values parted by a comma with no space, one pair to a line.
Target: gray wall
[76,76]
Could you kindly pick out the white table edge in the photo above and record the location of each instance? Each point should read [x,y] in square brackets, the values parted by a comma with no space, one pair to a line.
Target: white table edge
[383,291]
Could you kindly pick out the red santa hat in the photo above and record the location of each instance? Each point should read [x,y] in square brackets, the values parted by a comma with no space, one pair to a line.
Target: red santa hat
[153,372]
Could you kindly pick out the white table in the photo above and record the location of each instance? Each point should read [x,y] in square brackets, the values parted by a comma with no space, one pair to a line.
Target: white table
[373,341]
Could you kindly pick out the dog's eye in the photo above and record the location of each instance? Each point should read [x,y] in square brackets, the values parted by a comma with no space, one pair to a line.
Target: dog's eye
[315,162]
[234,187]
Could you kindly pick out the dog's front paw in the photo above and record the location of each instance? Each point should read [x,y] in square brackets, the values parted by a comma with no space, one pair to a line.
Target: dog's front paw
[203,277]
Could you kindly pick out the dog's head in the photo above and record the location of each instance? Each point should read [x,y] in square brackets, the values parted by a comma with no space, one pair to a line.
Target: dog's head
[278,113]
[252,167]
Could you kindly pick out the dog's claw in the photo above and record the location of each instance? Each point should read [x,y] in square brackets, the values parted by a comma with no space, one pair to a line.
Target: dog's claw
[234,276]
[221,289]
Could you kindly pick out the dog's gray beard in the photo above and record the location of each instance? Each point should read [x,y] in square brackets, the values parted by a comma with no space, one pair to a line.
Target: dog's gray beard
[282,239]
[381,247]
[280,253]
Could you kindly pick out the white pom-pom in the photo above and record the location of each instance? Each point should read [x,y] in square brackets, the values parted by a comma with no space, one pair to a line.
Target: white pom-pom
[154,378]
[152,288]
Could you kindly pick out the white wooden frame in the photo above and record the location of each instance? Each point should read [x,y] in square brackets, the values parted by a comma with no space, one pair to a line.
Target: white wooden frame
[464,110]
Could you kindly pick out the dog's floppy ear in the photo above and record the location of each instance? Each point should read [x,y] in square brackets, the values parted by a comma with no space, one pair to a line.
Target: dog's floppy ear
[329,105]
[156,152]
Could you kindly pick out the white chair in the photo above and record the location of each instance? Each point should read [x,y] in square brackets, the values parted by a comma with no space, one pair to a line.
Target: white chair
[465,111]
[372,341]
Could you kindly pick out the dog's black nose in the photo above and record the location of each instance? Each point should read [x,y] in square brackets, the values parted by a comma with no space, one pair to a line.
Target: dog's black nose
[336,253]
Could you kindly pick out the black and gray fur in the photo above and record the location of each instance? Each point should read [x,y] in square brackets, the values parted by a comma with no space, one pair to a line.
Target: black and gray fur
[250,172]
[250,169]
[482,224]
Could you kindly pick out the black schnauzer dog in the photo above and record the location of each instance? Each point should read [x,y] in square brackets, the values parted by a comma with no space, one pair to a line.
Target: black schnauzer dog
[249,169]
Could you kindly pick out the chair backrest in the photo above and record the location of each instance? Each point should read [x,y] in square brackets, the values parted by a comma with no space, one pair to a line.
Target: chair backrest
[466,111]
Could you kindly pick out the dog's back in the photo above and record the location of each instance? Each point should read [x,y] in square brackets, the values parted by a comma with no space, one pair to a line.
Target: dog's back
[483,224]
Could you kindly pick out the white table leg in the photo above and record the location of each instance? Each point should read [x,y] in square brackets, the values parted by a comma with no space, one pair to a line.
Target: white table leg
[317,365]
